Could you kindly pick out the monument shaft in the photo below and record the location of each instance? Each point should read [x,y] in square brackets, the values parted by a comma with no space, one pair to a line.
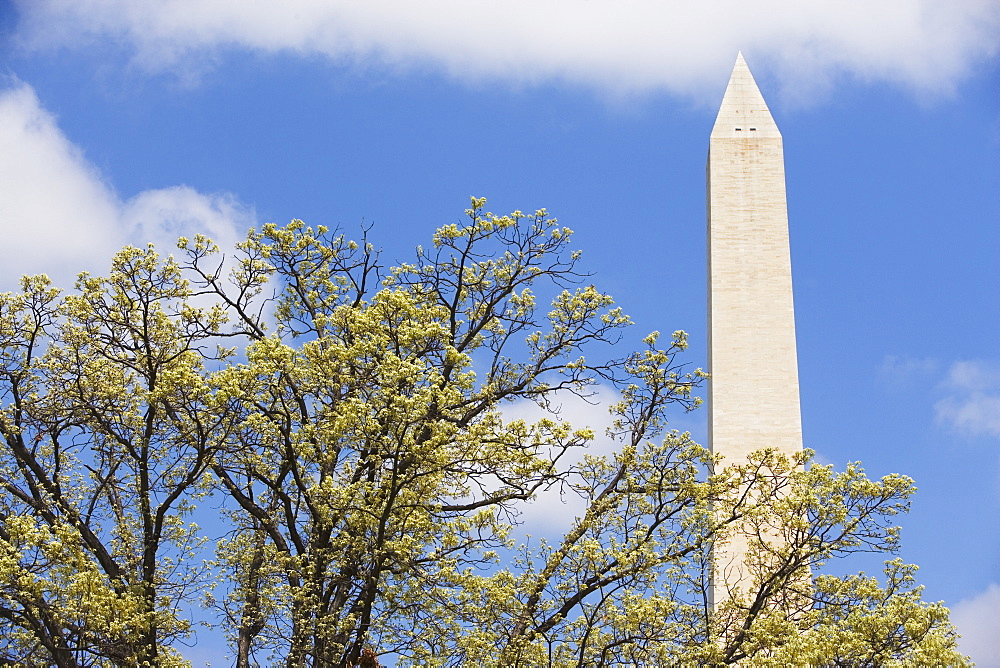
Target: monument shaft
[754,388]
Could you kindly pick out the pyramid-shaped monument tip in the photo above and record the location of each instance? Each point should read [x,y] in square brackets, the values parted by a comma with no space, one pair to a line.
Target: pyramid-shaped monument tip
[743,113]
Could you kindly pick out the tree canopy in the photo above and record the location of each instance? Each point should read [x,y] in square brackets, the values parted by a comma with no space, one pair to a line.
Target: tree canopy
[317,451]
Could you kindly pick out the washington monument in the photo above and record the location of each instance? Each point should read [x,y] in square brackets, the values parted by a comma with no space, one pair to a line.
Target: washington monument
[754,387]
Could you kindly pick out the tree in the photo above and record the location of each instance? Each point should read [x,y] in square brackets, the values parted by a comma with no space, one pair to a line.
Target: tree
[107,433]
[354,435]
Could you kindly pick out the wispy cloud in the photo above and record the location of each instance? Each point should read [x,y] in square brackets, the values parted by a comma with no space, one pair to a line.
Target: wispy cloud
[973,401]
[979,624]
[60,216]
[619,45]
[966,393]
[902,370]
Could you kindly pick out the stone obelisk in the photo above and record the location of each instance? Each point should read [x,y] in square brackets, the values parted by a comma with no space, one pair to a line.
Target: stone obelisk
[754,387]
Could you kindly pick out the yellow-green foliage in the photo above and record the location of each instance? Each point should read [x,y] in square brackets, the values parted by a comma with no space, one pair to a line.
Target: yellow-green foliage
[346,425]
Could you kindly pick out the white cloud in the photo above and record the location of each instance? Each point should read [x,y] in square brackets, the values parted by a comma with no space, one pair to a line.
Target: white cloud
[54,207]
[160,216]
[979,624]
[59,216]
[551,513]
[622,44]
[973,401]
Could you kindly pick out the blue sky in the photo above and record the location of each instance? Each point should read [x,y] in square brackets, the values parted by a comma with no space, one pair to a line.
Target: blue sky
[134,121]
